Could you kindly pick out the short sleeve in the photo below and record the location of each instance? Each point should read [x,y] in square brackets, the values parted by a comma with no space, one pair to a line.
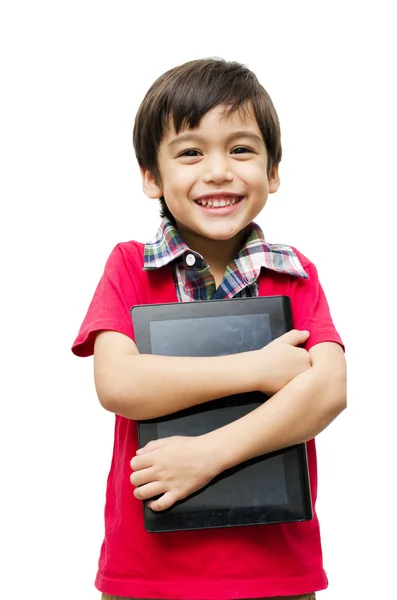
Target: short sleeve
[118,290]
[310,309]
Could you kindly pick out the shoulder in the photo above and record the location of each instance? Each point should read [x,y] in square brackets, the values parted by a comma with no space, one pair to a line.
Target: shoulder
[307,264]
[286,259]
[123,272]
[126,256]
[132,249]
[304,260]
[125,269]
[291,250]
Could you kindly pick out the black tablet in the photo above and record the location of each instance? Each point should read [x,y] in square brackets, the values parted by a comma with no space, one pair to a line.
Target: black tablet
[270,489]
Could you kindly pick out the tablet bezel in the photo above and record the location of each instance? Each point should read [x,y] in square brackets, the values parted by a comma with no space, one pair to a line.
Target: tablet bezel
[299,506]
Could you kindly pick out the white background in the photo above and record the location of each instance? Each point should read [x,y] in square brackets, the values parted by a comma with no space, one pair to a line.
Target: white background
[72,76]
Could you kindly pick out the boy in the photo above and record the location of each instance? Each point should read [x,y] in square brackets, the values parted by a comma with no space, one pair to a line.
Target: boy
[207,140]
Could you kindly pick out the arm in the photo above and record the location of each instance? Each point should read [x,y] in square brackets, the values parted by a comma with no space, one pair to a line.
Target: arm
[140,386]
[176,467]
[297,413]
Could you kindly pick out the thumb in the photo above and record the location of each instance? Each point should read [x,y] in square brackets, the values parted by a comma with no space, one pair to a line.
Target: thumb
[295,337]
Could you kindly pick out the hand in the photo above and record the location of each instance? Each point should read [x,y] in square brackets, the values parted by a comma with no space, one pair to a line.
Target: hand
[173,468]
[281,361]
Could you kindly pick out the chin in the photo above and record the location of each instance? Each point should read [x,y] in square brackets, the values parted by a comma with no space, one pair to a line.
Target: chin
[225,233]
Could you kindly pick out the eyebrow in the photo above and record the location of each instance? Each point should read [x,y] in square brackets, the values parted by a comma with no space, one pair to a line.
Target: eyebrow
[195,137]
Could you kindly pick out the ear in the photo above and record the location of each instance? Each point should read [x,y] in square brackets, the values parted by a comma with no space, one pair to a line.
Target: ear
[150,185]
[274,180]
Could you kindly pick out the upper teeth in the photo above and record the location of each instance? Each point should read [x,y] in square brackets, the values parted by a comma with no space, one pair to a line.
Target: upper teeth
[218,202]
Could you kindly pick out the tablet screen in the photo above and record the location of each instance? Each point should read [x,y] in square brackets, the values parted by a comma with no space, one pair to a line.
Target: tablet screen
[210,336]
[217,336]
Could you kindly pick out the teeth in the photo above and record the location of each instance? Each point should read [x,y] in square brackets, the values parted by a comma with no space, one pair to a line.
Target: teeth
[216,203]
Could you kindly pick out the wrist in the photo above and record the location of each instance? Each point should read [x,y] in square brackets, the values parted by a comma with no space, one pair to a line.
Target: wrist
[250,369]
[262,371]
[222,453]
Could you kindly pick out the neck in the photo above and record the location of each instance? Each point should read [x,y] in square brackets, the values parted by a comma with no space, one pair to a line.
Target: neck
[217,253]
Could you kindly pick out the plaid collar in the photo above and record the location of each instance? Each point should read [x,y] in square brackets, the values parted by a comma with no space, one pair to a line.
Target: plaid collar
[168,246]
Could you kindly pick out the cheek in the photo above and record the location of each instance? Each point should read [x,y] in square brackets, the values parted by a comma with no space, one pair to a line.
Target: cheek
[254,174]
[179,181]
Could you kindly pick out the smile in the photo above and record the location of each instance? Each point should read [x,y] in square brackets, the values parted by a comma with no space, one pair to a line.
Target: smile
[213,202]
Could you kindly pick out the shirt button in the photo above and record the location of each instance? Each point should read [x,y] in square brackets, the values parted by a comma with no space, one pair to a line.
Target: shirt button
[190,260]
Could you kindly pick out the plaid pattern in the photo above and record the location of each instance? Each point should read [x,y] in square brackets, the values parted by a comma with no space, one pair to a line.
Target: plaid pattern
[195,282]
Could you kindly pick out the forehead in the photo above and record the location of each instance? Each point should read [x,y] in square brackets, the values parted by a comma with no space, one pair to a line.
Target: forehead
[218,119]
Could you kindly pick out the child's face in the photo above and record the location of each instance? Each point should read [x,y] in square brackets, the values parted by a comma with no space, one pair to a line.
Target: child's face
[214,177]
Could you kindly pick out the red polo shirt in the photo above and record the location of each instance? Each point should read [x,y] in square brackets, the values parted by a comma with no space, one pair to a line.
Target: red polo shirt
[241,562]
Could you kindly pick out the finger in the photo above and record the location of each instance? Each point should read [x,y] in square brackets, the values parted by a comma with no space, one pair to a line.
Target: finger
[295,337]
[165,501]
[142,477]
[153,445]
[144,492]
[143,461]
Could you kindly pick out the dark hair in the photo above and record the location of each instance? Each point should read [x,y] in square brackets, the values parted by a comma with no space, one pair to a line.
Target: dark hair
[184,94]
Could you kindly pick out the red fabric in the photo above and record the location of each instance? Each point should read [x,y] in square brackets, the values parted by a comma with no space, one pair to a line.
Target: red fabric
[241,562]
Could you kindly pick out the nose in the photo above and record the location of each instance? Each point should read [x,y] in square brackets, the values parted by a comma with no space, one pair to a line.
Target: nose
[217,169]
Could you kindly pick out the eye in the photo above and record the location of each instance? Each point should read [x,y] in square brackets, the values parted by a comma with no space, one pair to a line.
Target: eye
[190,153]
[241,150]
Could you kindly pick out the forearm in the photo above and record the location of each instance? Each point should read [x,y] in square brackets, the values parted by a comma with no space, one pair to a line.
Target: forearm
[149,386]
[297,413]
